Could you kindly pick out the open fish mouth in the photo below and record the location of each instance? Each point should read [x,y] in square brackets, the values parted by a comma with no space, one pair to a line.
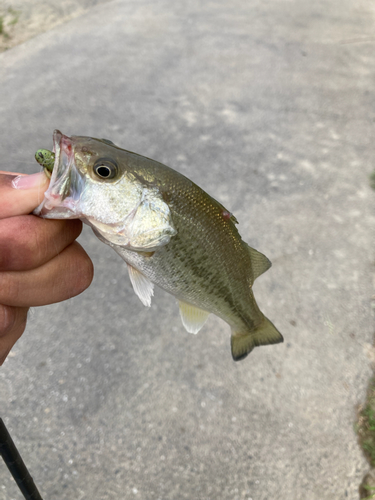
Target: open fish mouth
[66,184]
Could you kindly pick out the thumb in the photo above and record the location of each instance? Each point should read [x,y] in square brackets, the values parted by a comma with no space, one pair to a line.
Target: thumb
[20,194]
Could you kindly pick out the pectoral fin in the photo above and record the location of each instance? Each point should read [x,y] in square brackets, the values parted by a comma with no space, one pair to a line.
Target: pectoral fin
[243,343]
[192,317]
[142,286]
[147,226]
[152,225]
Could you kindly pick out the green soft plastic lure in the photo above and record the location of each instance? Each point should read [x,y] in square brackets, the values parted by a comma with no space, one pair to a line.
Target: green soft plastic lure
[47,159]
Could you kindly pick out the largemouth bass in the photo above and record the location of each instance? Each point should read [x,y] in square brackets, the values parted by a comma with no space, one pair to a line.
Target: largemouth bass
[167,229]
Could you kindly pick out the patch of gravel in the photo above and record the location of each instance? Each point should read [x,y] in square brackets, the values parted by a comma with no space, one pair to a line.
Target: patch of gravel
[21,20]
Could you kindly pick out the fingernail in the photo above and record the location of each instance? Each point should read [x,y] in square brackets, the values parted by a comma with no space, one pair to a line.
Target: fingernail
[29,181]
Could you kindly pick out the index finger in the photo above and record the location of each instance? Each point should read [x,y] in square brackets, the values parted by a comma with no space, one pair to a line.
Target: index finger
[23,200]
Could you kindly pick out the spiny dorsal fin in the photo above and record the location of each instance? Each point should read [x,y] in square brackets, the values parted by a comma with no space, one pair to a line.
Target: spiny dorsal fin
[243,343]
[259,262]
[107,141]
[142,286]
[192,317]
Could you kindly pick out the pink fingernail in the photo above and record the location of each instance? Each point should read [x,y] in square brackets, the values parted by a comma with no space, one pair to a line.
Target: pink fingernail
[29,181]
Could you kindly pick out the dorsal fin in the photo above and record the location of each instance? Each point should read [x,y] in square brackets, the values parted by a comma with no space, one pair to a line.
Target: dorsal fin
[259,262]
[107,141]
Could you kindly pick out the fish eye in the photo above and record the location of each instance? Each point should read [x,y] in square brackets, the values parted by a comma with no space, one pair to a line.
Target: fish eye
[105,169]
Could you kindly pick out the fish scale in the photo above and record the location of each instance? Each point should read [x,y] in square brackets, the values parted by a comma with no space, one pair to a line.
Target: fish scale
[167,229]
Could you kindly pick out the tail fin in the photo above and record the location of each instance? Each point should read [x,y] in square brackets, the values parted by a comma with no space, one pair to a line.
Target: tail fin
[243,343]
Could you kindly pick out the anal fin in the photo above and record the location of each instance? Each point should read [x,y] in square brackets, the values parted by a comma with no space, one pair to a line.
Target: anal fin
[243,343]
[142,286]
[192,317]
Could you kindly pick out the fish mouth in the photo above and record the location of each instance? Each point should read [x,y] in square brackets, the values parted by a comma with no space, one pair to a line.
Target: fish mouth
[65,188]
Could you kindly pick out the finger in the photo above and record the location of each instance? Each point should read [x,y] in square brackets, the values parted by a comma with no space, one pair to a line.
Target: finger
[12,325]
[10,173]
[27,241]
[19,195]
[61,278]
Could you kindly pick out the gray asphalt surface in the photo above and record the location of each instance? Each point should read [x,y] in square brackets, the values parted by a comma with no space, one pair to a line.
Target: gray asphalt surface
[269,106]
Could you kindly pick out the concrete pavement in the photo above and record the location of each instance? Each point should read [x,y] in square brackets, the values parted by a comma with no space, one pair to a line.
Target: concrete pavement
[269,107]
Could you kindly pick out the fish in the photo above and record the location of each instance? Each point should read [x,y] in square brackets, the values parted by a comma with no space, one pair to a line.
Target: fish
[168,230]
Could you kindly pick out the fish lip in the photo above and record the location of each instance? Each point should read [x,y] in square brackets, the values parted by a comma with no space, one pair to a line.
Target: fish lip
[61,197]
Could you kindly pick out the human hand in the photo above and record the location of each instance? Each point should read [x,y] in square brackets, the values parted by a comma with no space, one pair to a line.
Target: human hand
[40,261]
